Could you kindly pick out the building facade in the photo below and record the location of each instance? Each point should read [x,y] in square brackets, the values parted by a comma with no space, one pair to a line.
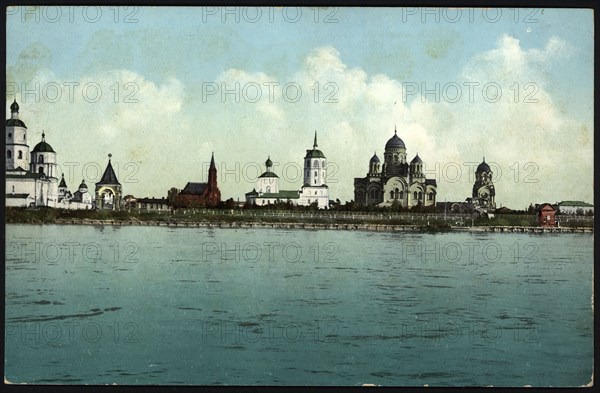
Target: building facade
[546,215]
[267,190]
[80,199]
[396,180]
[31,178]
[201,194]
[108,189]
[314,189]
[484,194]
[575,207]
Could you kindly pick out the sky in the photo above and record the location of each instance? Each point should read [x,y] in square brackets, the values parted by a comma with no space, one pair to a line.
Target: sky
[162,88]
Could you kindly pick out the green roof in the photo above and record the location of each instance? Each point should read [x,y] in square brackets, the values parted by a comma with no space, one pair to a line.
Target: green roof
[268,174]
[16,196]
[314,153]
[28,175]
[575,203]
[281,195]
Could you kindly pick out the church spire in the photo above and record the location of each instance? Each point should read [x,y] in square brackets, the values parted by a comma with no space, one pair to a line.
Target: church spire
[315,144]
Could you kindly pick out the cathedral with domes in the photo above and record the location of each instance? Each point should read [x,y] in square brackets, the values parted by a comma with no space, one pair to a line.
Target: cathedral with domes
[396,180]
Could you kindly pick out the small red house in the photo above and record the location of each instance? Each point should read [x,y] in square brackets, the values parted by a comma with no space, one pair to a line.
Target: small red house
[546,215]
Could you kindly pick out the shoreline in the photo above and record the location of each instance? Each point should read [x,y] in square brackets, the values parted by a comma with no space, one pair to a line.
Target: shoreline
[316,226]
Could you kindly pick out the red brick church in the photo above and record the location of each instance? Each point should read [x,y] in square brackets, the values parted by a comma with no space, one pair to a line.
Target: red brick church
[201,194]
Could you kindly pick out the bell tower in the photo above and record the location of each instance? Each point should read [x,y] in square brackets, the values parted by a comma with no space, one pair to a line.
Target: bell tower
[17,149]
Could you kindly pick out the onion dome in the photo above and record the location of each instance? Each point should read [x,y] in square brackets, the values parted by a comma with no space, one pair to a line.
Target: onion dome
[43,146]
[483,167]
[14,120]
[395,142]
[269,163]
[374,158]
[83,185]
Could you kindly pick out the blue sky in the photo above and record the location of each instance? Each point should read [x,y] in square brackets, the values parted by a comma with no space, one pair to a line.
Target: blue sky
[371,55]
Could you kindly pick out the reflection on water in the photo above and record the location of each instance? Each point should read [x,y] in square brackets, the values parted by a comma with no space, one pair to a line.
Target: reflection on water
[151,305]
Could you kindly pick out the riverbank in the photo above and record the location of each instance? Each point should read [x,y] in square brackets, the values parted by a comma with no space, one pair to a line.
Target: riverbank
[320,226]
[333,220]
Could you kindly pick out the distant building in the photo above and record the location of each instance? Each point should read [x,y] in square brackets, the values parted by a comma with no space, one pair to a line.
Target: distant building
[546,215]
[267,189]
[503,210]
[396,180]
[484,193]
[80,199]
[108,189]
[201,194]
[575,207]
[313,190]
[31,178]
[152,205]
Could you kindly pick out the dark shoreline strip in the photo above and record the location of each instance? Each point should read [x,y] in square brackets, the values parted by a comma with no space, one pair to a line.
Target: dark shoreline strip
[334,226]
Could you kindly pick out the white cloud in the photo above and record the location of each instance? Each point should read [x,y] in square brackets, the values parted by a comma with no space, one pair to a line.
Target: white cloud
[171,130]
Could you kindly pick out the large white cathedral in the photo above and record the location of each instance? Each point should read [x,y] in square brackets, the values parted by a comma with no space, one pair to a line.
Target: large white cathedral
[396,181]
[313,190]
[31,177]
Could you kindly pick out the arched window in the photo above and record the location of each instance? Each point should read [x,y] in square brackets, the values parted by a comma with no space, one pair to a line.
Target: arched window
[20,155]
[268,189]
[10,135]
[431,196]
[316,164]
[391,194]
[395,157]
[415,195]
[316,174]
[401,194]
[396,193]
[13,189]
[420,195]
[40,159]
[41,170]
[8,154]
[315,181]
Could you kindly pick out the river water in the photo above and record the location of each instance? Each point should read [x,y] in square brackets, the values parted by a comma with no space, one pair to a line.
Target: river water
[158,305]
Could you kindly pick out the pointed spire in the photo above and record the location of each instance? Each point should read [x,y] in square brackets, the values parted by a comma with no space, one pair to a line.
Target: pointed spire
[315,144]
[109,176]
[212,159]
[62,184]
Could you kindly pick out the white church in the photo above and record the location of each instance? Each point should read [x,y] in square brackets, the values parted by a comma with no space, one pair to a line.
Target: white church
[31,177]
[313,190]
